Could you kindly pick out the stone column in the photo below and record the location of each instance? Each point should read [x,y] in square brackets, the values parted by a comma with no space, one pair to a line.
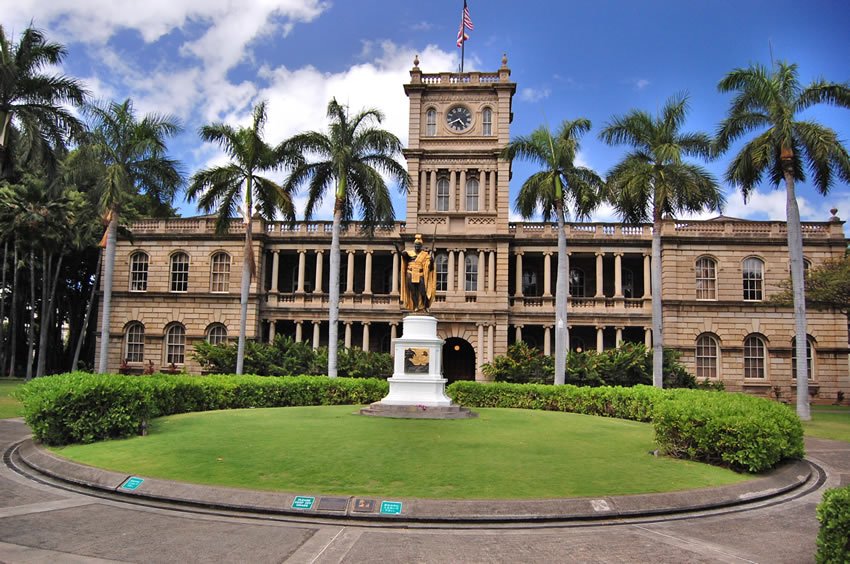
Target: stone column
[423,193]
[463,190]
[480,347]
[480,288]
[618,275]
[450,274]
[600,342]
[317,288]
[647,285]
[547,275]
[433,185]
[452,187]
[599,274]
[492,206]
[647,337]
[302,266]
[393,337]
[518,290]
[275,270]
[518,329]
[349,278]
[547,340]
[461,272]
[482,191]
[347,340]
[491,272]
[317,335]
[395,273]
[618,340]
[366,335]
[299,328]
[367,284]
[489,343]
[271,330]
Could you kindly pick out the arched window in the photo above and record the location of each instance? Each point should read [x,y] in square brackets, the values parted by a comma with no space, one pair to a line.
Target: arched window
[810,359]
[441,264]
[134,342]
[472,194]
[755,357]
[431,122]
[179,272]
[707,355]
[217,334]
[220,272]
[706,278]
[487,121]
[753,278]
[471,269]
[175,344]
[443,194]
[577,282]
[139,272]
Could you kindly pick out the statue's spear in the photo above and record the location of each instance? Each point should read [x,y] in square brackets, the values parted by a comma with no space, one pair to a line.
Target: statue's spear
[434,239]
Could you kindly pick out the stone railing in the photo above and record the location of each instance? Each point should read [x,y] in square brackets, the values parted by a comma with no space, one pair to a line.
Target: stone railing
[206,226]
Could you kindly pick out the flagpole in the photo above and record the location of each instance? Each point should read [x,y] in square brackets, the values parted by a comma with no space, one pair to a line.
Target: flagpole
[462,35]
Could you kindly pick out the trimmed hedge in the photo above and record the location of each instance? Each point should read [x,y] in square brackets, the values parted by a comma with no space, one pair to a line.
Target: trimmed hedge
[82,408]
[834,535]
[735,430]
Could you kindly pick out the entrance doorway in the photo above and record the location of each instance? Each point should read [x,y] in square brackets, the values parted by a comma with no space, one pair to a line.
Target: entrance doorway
[458,360]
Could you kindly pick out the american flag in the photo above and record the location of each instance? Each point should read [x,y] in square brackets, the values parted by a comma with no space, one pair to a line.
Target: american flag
[465,23]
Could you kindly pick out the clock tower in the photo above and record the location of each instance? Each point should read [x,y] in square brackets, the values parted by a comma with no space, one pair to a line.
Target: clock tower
[459,124]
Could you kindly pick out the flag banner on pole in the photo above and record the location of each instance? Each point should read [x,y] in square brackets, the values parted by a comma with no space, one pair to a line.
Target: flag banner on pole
[465,24]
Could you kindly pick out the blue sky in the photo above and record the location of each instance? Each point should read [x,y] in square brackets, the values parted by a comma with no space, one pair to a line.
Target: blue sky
[212,60]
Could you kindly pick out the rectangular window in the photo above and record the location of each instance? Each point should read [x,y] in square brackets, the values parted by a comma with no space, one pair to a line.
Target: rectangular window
[139,273]
[220,281]
[706,279]
[471,277]
[472,194]
[442,195]
[180,272]
[753,278]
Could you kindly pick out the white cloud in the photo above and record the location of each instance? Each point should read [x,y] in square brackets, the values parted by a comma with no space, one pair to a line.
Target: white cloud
[641,83]
[533,94]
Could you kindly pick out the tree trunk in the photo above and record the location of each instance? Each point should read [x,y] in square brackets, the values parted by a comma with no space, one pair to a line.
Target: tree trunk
[31,331]
[333,298]
[561,288]
[13,322]
[89,307]
[3,308]
[657,323]
[109,268]
[48,293]
[247,261]
[795,248]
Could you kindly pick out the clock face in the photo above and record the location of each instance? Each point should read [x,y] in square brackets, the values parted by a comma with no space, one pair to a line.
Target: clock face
[458,118]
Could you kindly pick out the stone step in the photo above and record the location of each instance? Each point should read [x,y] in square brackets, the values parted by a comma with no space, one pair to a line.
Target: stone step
[379,409]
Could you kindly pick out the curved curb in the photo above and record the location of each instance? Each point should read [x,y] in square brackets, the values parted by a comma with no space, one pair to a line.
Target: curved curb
[781,480]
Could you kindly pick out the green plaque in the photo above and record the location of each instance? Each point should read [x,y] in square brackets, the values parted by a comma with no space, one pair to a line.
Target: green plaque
[303,502]
[391,507]
[132,483]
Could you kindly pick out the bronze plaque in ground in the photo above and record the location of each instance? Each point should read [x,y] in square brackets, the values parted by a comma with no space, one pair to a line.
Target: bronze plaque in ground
[364,505]
[332,504]
[416,361]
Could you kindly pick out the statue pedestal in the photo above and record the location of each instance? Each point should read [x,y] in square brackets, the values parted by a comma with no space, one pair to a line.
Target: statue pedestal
[417,386]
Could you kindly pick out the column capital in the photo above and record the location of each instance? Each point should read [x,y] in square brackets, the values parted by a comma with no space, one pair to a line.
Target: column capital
[347,323]
[600,327]
[351,251]
[599,254]
[519,253]
[366,323]
[619,327]
[369,251]
[548,253]
[394,324]
[619,253]
[320,251]
[302,251]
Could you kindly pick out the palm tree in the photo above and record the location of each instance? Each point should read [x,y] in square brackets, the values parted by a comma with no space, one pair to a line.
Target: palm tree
[351,158]
[221,188]
[767,101]
[560,185]
[128,155]
[32,104]
[653,181]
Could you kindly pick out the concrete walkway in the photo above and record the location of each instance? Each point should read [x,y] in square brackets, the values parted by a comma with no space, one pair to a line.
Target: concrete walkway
[42,521]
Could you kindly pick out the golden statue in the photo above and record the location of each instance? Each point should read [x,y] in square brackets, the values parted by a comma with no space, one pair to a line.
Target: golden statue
[419,279]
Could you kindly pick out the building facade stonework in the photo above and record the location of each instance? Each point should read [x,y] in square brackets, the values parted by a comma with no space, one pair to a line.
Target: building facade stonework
[177,282]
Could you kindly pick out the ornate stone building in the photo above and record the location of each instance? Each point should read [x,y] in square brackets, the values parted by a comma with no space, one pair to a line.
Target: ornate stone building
[177,283]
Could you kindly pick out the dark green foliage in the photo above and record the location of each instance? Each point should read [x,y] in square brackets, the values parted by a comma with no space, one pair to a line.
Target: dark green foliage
[285,357]
[83,408]
[628,365]
[735,430]
[834,535]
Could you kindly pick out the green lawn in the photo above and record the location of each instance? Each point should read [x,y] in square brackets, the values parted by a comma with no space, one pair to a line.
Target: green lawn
[329,450]
[829,422]
[9,407]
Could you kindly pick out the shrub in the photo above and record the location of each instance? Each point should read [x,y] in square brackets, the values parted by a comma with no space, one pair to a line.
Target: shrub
[83,408]
[834,535]
[735,430]
[628,365]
